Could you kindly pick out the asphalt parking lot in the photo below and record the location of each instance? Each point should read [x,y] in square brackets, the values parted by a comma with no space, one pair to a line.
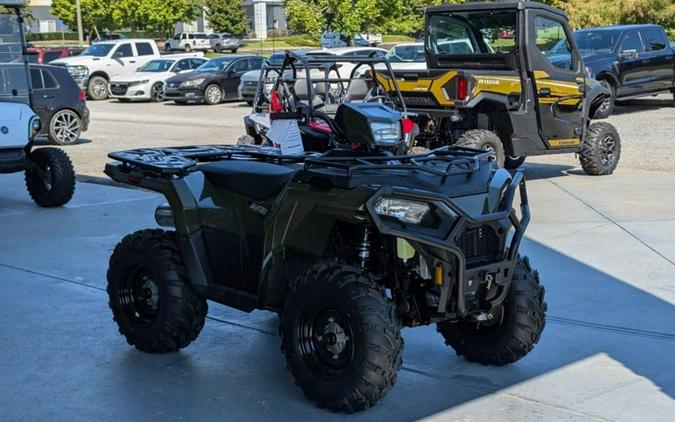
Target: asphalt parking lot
[605,248]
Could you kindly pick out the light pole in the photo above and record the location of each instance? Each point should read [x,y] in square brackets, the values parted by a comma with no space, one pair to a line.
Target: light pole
[79,23]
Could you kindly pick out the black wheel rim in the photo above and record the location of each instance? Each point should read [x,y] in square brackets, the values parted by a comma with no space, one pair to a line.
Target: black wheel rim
[607,150]
[139,297]
[326,341]
[158,92]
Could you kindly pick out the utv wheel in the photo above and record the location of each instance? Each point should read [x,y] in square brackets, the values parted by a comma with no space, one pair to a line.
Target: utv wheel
[607,107]
[341,337]
[150,295]
[513,161]
[50,177]
[213,94]
[485,140]
[522,320]
[97,88]
[600,150]
[65,127]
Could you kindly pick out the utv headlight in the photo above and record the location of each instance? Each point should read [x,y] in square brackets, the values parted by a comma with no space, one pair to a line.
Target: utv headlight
[164,216]
[386,133]
[35,126]
[405,210]
[78,72]
[192,83]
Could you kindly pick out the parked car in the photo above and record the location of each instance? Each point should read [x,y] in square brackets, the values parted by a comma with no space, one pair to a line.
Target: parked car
[60,103]
[340,39]
[407,56]
[632,60]
[46,55]
[213,82]
[373,39]
[248,83]
[224,41]
[93,68]
[188,41]
[345,69]
[148,83]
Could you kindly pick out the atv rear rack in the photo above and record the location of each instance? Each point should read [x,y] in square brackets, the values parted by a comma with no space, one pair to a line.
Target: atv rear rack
[443,162]
[179,161]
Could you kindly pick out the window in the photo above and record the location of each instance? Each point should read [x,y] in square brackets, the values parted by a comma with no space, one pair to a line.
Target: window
[472,33]
[594,41]
[256,64]
[124,50]
[51,56]
[200,36]
[144,49]
[177,37]
[182,65]
[197,62]
[49,80]
[654,39]
[553,43]
[631,41]
[240,66]
[36,78]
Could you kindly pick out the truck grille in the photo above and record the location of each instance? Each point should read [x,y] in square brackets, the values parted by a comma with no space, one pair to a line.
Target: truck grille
[480,245]
[119,89]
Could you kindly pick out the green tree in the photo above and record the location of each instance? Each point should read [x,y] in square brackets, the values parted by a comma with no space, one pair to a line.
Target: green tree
[227,16]
[96,14]
[304,17]
[154,14]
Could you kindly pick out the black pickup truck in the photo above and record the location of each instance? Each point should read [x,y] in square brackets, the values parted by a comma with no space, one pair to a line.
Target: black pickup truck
[633,60]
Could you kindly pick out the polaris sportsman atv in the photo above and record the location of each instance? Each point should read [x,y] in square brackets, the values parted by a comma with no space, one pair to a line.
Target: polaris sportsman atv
[507,77]
[49,173]
[347,246]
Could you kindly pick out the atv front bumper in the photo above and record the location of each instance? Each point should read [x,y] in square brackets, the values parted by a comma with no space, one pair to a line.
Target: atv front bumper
[442,248]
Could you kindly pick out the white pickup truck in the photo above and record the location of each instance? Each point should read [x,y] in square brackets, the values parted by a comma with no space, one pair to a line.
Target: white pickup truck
[93,68]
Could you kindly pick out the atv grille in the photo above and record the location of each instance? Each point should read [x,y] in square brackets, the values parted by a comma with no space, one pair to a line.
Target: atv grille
[480,245]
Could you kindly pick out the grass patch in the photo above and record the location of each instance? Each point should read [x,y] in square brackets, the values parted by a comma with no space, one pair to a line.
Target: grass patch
[396,38]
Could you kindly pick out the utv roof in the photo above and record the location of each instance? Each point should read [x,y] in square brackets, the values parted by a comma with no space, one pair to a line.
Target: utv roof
[494,5]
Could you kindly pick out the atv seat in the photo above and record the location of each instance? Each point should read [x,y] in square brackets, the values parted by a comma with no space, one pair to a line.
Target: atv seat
[253,179]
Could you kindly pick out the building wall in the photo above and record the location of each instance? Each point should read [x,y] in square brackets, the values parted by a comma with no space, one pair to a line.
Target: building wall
[43,20]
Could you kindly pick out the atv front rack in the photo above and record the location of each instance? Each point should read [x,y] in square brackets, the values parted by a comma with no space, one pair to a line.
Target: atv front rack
[443,162]
[179,161]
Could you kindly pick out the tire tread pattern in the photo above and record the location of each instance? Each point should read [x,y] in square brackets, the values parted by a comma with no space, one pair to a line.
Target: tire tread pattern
[63,178]
[589,154]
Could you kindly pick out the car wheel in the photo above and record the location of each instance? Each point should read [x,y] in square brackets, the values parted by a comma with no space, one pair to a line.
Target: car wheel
[213,94]
[607,107]
[97,88]
[234,50]
[188,48]
[167,47]
[218,48]
[485,140]
[65,127]
[157,93]
[50,177]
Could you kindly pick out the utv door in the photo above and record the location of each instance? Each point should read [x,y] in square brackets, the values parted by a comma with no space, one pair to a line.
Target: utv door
[558,78]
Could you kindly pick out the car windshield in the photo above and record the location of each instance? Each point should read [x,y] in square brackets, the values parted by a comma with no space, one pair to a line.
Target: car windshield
[592,41]
[13,70]
[466,33]
[215,65]
[98,50]
[157,66]
[406,53]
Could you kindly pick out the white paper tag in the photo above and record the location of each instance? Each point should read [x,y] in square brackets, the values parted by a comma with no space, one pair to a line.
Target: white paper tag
[286,135]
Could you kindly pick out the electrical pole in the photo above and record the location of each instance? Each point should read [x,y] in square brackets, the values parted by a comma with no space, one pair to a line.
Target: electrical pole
[79,24]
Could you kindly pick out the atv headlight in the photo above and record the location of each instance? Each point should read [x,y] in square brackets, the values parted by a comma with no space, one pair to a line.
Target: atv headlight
[35,126]
[194,82]
[386,133]
[405,210]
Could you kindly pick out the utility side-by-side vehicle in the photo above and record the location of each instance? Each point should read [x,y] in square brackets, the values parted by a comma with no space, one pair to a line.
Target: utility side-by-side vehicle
[508,77]
[49,173]
[347,247]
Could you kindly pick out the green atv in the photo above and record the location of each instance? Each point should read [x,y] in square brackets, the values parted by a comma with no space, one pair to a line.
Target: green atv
[347,247]
[507,77]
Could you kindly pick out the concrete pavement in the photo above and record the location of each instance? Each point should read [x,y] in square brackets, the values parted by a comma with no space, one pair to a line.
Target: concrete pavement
[605,248]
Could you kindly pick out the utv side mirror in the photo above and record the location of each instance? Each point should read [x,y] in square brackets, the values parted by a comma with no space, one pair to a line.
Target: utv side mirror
[628,54]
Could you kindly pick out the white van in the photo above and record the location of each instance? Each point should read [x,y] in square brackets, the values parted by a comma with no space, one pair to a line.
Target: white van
[334,40]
